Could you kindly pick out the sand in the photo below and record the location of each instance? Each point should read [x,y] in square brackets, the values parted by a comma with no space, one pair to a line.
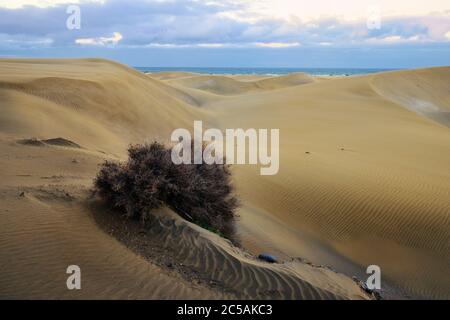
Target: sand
[364,179]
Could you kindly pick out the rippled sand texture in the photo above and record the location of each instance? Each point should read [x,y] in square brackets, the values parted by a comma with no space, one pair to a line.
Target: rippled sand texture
[364,179]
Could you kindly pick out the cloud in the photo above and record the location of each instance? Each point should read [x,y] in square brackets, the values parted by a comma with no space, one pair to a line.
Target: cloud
[24,41]
[273,45]
[14,4]
[210,24]
[277,44]
[211,45]
[392,38]
[101,41]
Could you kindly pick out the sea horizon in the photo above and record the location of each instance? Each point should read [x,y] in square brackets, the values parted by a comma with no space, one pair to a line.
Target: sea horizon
[268,70]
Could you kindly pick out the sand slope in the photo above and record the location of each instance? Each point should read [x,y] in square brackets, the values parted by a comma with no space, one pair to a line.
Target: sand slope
[60,119]
[95,103]
[372,189]
[425,91]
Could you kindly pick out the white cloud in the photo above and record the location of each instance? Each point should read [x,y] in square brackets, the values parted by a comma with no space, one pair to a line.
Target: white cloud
[392,38]
[15,4]
[23,41]
[102,41]
[414,38]
[274,45]
[211,45]
[191,45]
[344,9]
[277,44]
[397,39]
[447,35]
[167,45]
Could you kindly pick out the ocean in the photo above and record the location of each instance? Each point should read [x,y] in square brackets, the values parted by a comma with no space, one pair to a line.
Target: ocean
[267,71]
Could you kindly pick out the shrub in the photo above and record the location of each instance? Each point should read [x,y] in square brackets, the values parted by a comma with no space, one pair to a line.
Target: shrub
[200,193]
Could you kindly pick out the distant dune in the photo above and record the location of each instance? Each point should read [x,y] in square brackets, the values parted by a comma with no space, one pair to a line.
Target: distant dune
[233,85]
[364,179]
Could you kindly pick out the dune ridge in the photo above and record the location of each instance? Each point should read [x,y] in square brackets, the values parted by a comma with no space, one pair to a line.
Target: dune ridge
[423,91]
[232,85]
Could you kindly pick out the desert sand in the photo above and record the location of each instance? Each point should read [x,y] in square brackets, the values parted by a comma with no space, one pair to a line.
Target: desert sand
[364,179]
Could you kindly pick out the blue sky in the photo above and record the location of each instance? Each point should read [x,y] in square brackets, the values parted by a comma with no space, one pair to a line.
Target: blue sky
[233,33]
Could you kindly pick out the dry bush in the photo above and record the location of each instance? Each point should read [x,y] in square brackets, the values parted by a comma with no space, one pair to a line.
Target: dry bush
[200,193]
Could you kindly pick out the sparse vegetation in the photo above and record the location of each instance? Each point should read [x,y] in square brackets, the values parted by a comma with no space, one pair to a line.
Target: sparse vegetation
[200,193]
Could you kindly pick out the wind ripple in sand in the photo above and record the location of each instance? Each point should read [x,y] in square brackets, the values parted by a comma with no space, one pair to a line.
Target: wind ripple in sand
[48,231]
[217,262]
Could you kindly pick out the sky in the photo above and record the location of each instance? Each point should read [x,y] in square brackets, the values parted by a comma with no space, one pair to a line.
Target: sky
[231,33]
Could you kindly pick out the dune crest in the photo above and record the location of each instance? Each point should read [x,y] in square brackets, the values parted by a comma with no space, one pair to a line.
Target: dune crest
[232,85]
[426,91]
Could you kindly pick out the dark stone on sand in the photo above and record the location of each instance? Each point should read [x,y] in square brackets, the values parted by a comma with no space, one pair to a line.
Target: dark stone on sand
[268,258]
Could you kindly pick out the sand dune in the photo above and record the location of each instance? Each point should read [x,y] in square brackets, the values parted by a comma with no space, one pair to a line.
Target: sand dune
[364,179]
[168,75]
[97,102]
[293,79]
[234,85]
[422,91]
[373,186]
[220,85]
